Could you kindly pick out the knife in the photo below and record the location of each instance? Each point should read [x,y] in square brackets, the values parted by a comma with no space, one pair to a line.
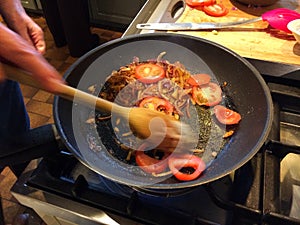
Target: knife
[194,26]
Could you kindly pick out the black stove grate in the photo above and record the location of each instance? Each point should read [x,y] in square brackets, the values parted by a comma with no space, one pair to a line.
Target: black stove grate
[252,198]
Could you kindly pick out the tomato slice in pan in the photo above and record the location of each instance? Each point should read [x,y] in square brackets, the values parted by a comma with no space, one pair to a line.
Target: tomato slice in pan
[208,95]
[199,79]
[216,10]
[191,164]
[197,3]
[149,164]
[158,104]
[226,116]
[149,73]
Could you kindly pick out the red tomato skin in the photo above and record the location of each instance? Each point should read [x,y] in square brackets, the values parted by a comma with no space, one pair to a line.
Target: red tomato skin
[157,102]
[215,10]
[149,164]
[226,116]
[211,94]
[199,3]
[148,78]
[199,79]
[179,161]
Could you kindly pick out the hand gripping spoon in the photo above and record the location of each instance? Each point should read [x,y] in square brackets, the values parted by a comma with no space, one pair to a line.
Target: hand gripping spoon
[277,18]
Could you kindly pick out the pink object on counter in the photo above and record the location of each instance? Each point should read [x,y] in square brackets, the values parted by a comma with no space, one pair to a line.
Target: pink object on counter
[279,18]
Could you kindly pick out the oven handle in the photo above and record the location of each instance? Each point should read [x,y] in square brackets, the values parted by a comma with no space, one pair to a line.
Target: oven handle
[35,143]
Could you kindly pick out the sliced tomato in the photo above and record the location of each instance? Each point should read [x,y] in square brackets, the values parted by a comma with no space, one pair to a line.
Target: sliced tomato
[199,79]
[158,104]
[199,3]
[209,94]
[186,167]
[149,73]
[226,116]
[216,10]
[149,164]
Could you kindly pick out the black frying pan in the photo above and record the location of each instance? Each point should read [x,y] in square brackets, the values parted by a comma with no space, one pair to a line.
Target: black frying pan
[248,91]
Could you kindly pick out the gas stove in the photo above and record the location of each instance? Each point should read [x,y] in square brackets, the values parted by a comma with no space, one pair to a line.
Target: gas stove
[266,190]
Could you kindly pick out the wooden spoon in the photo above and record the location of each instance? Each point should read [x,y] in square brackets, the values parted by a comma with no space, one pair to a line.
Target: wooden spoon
[140,119]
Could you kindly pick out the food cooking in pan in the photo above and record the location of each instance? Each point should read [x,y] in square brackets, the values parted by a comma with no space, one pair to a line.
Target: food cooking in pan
[169,88]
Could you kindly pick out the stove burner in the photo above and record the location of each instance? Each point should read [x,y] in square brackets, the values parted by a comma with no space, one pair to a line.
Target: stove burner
[266,190]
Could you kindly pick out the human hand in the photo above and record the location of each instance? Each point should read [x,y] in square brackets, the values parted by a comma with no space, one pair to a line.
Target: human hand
[22,44]
[17,51]
[18,21]
[33,33]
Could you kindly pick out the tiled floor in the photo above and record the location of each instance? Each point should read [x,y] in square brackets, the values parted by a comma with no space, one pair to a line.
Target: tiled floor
[39,107]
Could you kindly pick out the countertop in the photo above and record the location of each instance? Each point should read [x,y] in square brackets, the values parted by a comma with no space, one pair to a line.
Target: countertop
[257,40]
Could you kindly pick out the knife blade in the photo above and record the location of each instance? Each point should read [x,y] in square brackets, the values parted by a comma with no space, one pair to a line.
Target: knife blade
[194,26]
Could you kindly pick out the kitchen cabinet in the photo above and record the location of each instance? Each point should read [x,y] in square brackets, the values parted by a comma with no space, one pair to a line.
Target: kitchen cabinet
[114,14]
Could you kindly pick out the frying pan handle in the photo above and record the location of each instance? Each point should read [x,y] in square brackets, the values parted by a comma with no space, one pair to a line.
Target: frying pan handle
[64,91]
[33,144]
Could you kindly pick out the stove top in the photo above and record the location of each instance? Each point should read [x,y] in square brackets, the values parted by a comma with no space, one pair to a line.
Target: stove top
[266,190]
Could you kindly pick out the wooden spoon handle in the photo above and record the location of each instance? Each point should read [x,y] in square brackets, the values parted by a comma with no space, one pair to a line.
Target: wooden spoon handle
[64,91]
[73,94]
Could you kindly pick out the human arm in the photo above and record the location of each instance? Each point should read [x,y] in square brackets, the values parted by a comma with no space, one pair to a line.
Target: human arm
[21,44]
[16,50]
[17,20]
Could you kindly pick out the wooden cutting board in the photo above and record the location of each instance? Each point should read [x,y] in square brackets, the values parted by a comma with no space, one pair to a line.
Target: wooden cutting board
[257,40]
